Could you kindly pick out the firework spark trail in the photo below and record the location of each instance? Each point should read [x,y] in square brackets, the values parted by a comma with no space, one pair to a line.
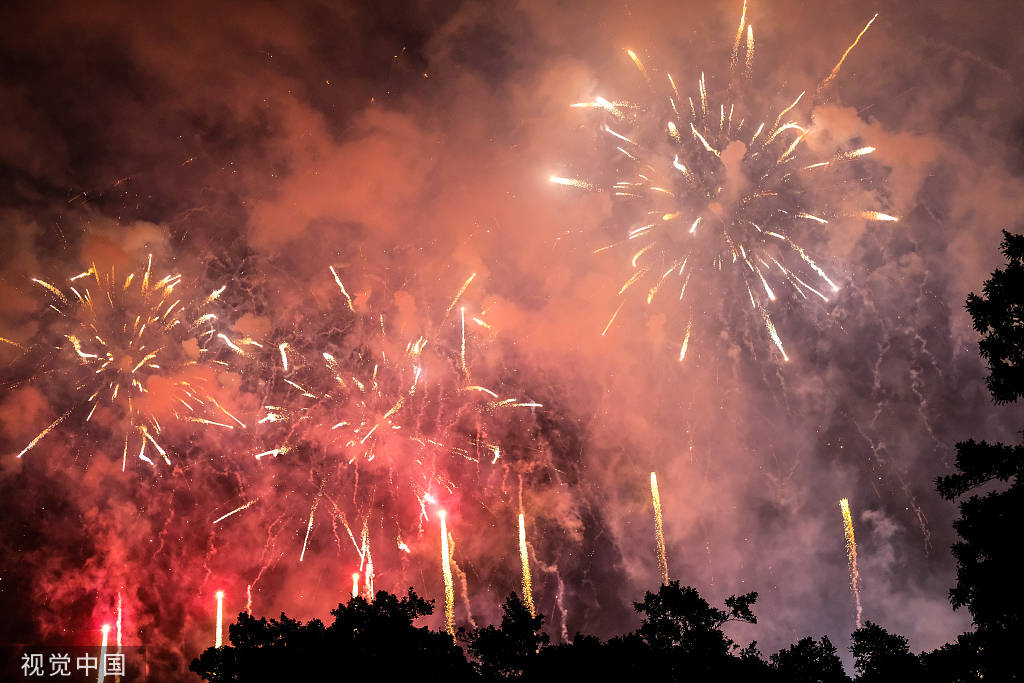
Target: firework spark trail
[446,570]
[740,189]
[236,510]
[103,652]
[851,554]
[524,558]
[355,584]
[118,621]
[835,70]
[220,619]
[42,434]
[659,530]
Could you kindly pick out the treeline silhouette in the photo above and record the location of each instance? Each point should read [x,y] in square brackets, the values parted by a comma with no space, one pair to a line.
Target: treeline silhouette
[681,636]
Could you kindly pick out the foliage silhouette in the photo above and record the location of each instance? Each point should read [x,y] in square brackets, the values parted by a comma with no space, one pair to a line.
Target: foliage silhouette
[999,317]
[988,574]
[368,638]
[809,661]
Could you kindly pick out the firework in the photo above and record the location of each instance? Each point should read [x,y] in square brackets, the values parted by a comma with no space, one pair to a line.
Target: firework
[220,619]
[355,584]
[103,651]
[524,557]
[389,424]
[659,531]
[719,196]
[851,554]
[446,570]
[136,350]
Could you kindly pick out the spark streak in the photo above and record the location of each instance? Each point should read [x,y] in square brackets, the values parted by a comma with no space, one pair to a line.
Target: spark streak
[446,569]
[851,554]
[524,557]
[220,619]
[103,652]
[659,531]
[839,64]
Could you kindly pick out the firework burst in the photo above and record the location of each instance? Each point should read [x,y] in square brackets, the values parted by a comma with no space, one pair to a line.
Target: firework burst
[711,189]
[365,433]
[136,352]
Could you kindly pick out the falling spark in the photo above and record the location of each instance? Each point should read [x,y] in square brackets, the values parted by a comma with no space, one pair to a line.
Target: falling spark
[686,341]
[659,530]
[458,295]
[337,281]
[118,621]
[43,433]
[220,618]
[839,64]
[446,569]
[524,557]
[739,35]
[309,528]
[103,652]
[639,64]
[750,49]
[238,509]
[877,216]
[283,348]
[355,584]
[571,182]
[851,554]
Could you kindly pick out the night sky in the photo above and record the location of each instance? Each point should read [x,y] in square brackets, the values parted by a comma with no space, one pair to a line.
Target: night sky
[409,145]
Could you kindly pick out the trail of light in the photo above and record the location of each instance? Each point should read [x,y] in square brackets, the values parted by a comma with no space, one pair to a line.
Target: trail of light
[238,509]
[13,343]
[446,569]
[458,295]
[739,36]
[811,217]
[118,621]
[309,528]
[614,315]
[686,341]
[659,530]
[43,433]
[835,70]
[103,652]
[877,216]
[337,280]
[283,348]
[639,64]
[770,326]
[355,584]
[851,554]
[750,50]
[220,619]
[524,558]
[53,290]
[248,599]
[571,182]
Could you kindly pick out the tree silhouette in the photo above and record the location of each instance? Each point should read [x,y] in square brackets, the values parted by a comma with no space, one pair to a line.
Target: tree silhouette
[988,575]
[373,639]
[508,652]
[684,633]
[999,316]
[883,657]
[809,661]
